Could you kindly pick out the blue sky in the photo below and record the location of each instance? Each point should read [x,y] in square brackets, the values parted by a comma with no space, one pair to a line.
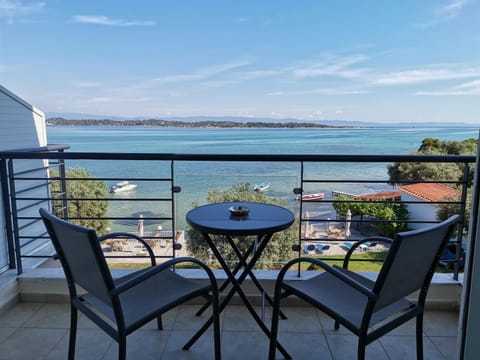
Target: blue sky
[382,61]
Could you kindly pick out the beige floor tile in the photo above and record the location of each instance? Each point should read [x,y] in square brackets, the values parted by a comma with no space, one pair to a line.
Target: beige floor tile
[403,347]
[344,347]
[50,316]
[91,344]
[446,345]
[19,314]
[30,343]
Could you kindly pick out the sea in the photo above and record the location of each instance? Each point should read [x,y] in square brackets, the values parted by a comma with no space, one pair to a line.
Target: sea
[197,179]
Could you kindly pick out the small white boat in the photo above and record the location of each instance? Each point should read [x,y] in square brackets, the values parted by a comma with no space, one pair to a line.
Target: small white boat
[312,197]
[261,187]
[122,186]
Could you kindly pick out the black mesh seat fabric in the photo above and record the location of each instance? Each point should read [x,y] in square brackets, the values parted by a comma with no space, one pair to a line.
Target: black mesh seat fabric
[371,308]
[122,305]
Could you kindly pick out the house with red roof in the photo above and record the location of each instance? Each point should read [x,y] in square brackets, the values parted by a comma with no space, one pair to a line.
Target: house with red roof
[423,200]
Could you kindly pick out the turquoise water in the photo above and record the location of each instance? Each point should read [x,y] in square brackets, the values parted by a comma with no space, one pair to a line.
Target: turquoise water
[197,178]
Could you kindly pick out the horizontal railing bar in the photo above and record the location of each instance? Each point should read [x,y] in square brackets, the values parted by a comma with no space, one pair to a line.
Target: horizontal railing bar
[97,199]
[32,188]
[238,157]
[29,206]
[24,226]
[56,178]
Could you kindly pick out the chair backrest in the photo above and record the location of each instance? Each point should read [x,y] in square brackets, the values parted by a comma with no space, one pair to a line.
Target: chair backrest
[411,261]
[81,256]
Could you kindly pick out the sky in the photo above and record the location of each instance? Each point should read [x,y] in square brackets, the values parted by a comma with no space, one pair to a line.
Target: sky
[380,61]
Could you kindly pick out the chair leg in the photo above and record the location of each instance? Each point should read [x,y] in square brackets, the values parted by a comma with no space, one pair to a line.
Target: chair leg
[159,323]
[73,332]
[122,347]
[274,328]
[216,326]
[419,334]
[336,326]
[361,348]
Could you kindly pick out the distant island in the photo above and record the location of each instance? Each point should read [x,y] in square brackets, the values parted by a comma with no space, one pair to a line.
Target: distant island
[188,124]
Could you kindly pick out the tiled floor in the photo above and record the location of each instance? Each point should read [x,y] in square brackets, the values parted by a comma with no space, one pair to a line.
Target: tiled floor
[40,331]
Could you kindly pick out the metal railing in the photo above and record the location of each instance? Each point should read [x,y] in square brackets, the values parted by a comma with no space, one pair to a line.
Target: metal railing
[28,178]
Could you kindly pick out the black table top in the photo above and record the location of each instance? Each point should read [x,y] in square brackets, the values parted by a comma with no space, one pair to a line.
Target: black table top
[261,219]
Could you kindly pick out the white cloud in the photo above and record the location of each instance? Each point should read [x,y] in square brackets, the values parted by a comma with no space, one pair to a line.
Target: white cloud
[427,74]
[451,10]
[339,67]
[445,13]
[104,20]
[469,88]
[12,10]
[86,84]
[201,74]
[321,91]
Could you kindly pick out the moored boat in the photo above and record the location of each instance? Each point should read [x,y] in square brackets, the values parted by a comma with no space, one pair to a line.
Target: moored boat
[312,197]
[122,186]
[261,187]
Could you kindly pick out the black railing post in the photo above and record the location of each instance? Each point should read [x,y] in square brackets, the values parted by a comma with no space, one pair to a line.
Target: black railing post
[460,226]
[63,186]
[7,213]
[13,205]
[300,221]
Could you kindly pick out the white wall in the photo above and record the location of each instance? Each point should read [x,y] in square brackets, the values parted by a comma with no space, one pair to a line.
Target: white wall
[424,211]
[21,126]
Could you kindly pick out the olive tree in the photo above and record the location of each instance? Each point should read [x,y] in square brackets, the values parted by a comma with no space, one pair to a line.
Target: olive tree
[279,249]
[82,185]
[392,215]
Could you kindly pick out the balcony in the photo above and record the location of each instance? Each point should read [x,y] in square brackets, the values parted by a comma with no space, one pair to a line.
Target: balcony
[40,330]
[36,289]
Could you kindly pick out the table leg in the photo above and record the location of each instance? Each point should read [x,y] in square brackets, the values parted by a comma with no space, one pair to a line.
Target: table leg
[240,264]
[243,257]
[236,288]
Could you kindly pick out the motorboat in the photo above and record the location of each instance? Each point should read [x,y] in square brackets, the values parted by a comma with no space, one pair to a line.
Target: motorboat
[313,197]
[122,186]
[261,187]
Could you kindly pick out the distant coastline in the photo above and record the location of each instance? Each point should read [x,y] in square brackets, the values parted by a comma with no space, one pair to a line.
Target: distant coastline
[189,124]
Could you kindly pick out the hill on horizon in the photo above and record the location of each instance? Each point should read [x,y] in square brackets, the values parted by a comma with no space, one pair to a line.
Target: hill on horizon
[355,123]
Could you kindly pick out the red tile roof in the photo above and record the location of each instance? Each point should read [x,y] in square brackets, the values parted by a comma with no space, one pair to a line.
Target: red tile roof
[430,191]
[384,195]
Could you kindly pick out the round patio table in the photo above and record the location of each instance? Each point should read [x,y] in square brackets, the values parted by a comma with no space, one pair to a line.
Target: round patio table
[261,221]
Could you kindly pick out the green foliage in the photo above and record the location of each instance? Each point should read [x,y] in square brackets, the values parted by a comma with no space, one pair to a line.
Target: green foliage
[279,247]
[444,211]
[387,213]
[85,187]
[403,172]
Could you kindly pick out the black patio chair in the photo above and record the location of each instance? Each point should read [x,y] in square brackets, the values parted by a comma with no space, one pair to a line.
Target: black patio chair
[121,306]
[359,303]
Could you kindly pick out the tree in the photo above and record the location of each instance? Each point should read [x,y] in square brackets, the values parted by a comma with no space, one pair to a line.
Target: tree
[444,211]
[277,250]
[392,215]
[85,187]
[402,172]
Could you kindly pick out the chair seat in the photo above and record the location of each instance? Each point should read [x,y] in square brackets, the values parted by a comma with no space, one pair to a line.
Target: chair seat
[345,302]
[151,297]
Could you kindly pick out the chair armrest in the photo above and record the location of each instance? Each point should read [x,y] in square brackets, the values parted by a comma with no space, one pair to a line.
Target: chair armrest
[144,275]
[330,269]
[130,235]
[356,244]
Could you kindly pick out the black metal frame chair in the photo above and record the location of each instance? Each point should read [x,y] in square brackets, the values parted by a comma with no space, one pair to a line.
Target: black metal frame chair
[121,306]
[370,309]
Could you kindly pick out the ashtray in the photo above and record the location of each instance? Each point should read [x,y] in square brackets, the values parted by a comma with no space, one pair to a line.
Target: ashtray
[239,210]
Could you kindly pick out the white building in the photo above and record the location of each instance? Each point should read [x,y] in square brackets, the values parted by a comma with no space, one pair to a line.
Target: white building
[22,126]
[425,195]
